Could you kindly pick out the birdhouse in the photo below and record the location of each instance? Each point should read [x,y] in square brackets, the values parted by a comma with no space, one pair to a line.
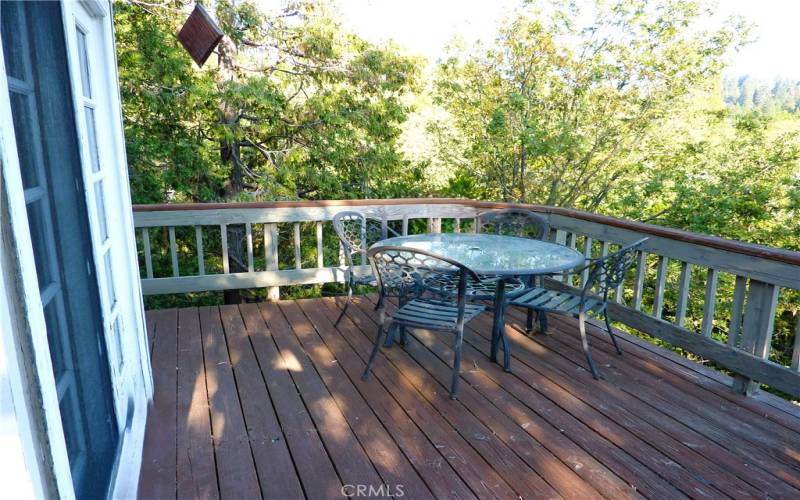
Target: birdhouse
[200,35]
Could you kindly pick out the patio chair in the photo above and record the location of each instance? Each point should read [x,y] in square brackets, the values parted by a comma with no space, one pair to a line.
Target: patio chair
[356,232]
[513,222]
[522,224]
[401,271]
[604,274]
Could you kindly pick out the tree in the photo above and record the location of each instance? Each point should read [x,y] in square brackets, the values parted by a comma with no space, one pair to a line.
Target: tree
[166,106]
[554,112]
[291,107]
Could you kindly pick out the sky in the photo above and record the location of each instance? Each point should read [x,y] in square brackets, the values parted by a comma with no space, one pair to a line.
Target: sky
[426,26]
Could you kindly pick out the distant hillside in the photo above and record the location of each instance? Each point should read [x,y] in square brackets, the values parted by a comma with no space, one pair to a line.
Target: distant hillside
[768,97]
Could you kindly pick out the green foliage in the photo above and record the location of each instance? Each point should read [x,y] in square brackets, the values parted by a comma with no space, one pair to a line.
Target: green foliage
[768,97]
[553,111]
[613,106]
[166,107]
[292,107]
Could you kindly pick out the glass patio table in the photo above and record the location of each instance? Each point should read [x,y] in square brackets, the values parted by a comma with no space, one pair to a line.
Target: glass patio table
[495,255]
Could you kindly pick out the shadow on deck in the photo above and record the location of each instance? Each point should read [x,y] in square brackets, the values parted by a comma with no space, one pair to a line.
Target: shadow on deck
[267,401]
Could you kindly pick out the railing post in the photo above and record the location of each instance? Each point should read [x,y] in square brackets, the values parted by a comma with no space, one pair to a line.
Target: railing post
[710,304]
[148,256]
[173,251]
[661,281]
[320,258]
[756,336]
[641,271]
[796,350]
[249,235]
[737,307]
[683,293]
[271,256]
[201,263]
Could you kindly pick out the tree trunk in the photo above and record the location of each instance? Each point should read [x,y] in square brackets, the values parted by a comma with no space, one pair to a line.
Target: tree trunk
[229,152]
[229,155]
[523,163]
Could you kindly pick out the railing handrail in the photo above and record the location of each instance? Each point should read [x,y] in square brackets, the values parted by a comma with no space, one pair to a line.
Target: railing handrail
[736,246]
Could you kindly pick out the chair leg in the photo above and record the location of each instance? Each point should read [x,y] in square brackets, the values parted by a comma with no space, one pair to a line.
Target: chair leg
[495,334]
[457,364]
[585,344]
[497,324]
[542,317]
[403,335]
[346,304]
[529,322]
[506,349]
[611,332]
[389,342]
[501,337]
[375,349]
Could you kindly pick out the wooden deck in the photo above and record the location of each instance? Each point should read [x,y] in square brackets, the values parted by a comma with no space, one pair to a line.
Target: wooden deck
[266,400]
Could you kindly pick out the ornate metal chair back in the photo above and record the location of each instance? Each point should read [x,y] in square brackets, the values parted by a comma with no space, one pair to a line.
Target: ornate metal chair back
[514,222]
[606,273]
[357,232]
[402,271]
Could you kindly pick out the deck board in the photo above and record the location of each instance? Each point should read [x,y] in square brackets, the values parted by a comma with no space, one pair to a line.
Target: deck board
[314,468]
[689,422]
[273,462]
[196,469]
[236,471]
[159,472]
[342,362]
[266,400]
[391,464]
[469,464]
[346,452]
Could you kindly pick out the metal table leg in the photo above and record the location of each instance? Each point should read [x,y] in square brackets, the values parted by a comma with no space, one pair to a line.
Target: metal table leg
[499,327]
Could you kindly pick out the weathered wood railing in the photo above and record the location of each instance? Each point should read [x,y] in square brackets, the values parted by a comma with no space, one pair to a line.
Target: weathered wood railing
[657,298]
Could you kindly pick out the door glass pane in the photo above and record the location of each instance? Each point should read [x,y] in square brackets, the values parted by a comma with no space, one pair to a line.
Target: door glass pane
[23,130]
[94,156]
[112,294]
[118,340]
[55,334]
[99,199]
[72,433]
[13,52]
[41,254]
[84,61]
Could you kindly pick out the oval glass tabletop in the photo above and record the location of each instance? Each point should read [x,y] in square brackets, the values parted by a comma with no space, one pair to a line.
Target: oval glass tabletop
[494,254]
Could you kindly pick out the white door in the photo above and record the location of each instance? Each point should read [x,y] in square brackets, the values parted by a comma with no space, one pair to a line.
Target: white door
[58,229]
[72,221]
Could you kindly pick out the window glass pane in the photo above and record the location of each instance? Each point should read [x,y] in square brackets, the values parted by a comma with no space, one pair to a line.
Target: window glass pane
[24,131]
[100,201]
[12,23]
[112,294]
[84,61]
[92,132]
[38,225]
